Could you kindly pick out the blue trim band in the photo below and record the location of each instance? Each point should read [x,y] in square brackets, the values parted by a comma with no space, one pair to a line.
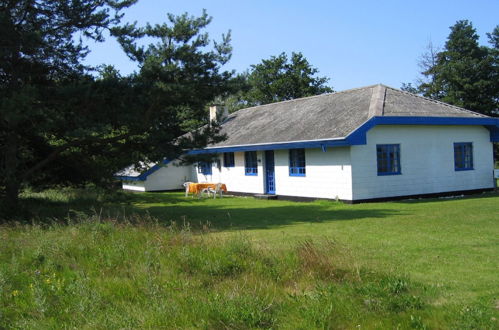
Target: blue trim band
[273,146]
[297,174]
[359,136]
[494,133]
[250,174]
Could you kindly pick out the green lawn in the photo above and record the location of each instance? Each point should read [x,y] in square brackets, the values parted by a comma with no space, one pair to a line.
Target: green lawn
[430,239]
[160,259]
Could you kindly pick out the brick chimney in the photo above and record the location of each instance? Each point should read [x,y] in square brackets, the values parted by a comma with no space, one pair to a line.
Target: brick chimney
[218,113]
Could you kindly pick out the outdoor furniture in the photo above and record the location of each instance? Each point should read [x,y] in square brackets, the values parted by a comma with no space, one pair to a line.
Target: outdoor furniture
[216,190]
[186,186]
[197,188]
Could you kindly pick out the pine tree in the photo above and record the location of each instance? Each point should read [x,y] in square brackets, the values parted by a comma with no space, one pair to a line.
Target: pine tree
[60,124]
[464,73]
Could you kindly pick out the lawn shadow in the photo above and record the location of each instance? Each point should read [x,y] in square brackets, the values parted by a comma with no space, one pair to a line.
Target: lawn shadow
[236,213]
[52,205]
[228,213]
[456,197]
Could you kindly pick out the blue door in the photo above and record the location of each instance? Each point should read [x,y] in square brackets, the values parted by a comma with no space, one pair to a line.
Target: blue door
[269,172]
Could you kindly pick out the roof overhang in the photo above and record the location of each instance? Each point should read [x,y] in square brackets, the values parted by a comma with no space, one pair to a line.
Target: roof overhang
[338,142]
[359,136]
[143,176]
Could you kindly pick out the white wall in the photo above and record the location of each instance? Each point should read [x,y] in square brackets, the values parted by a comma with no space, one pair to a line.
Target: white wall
[350,173]
[427,161]
[133,185]
[169,177]
[234,177]
[199,177]
[328,174]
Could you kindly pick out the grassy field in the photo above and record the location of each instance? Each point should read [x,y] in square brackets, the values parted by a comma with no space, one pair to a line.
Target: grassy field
[86,259]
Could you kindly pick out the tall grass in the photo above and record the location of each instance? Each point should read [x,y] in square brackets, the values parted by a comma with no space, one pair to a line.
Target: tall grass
[90,259]
[57,204]
[137,273]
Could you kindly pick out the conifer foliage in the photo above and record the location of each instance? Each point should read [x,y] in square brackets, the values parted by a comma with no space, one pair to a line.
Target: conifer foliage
[59,123]
[464,73]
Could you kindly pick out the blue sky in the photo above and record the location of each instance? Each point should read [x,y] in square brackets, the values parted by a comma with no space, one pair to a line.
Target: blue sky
[354,43]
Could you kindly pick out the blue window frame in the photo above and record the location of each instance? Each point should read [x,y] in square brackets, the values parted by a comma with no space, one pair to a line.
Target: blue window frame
[297,162]
[463,156]
[229,159]
[388,156]
[204,168]
[250,163]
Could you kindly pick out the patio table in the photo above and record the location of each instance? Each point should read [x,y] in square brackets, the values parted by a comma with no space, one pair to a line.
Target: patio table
[196,188]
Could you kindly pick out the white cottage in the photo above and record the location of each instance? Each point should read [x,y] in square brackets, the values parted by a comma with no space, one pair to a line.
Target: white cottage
[369,143]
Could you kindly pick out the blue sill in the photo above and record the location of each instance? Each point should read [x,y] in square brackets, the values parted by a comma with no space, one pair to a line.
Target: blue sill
[389,173]
[464,169]
[297,174]
[250,174]
[206,173]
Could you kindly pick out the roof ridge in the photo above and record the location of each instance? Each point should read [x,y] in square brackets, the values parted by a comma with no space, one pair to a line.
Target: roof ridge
[308,97]
[377,102]
[361,88]
[437,102]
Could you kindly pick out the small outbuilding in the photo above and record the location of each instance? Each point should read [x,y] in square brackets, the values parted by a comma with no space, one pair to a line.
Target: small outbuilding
[368,143]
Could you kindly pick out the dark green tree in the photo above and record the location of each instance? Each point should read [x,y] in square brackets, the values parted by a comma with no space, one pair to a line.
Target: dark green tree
[179,74]
[39,51]
[408,87]
[236,96]
[280,79]
[494,41]
[60,124]
[494,52]
[463,73]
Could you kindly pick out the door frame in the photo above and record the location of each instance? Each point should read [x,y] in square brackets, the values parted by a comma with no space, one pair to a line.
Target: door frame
[266,173]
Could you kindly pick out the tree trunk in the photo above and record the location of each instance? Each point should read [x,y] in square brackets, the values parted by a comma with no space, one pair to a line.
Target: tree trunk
[12,184]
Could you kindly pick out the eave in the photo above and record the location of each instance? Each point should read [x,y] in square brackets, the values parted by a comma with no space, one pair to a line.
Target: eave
[359,136]
[143,176]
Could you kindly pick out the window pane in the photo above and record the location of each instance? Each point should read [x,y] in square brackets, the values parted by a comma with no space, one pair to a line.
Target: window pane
[463,156]
[388,159]
[228,159]
[204,168]
[297,164]
[251,163]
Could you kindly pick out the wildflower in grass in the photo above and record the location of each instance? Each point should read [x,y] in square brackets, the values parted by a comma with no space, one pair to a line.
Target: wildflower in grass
[31,286]
[47,280]
[15,293]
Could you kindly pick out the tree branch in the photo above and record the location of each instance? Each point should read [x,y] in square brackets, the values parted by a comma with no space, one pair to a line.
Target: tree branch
[53,155]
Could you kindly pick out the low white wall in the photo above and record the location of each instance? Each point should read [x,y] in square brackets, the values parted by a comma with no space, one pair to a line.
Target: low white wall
[328,174]
[133,185]
[427,161]
[169,177]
